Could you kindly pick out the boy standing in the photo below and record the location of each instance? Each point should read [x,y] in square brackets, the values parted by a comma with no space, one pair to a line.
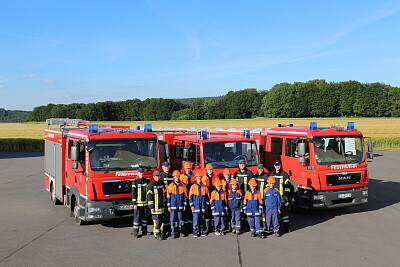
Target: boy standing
[218,207]
[198,200]
[272,199]
[235,202]
[252,206]
[176,201]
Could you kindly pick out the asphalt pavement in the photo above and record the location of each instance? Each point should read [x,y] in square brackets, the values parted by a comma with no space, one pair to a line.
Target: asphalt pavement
[33,232]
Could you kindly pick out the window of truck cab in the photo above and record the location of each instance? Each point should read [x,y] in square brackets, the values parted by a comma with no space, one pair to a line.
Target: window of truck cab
[123,154]
[338,149]
[226,154]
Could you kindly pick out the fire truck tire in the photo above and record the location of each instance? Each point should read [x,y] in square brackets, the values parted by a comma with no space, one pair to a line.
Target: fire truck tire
[75,213]
[53,197]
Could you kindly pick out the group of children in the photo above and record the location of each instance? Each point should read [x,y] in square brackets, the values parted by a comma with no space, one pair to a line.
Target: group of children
[194,198]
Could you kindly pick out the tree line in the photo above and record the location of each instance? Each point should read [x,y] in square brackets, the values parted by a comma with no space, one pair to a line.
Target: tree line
[13,115]
[315,98]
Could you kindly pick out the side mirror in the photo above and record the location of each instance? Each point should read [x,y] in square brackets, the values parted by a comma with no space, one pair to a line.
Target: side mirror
[74,165]
[370,153]
[301,149]
[75,156]
[185,153]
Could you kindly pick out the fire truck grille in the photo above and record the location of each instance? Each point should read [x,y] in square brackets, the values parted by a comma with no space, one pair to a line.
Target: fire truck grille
[343,178]
[117,187]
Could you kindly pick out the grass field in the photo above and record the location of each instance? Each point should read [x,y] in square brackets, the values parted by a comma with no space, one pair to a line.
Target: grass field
[385,132]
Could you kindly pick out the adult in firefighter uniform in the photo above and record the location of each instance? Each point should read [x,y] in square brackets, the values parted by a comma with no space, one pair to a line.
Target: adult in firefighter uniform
[140,206]
[261,177]
[243,176]
[166,177]
[156,201]
[285,188]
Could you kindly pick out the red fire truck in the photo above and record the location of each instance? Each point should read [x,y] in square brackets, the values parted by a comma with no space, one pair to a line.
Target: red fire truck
[202,147]
[327,165]
[89,168]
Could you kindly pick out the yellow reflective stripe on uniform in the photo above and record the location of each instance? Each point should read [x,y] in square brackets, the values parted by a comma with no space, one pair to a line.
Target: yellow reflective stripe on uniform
[139,195]
[281,187]
[262,187]
[156,199]
[245,184]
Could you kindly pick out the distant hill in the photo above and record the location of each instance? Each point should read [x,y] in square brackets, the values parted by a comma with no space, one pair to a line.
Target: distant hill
[13,115]
[189,101]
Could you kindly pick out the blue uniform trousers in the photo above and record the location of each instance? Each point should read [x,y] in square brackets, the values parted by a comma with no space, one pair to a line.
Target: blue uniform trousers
[219,224]
[176,219]
[235,220]
[254,223]
[198,222]
[272,219]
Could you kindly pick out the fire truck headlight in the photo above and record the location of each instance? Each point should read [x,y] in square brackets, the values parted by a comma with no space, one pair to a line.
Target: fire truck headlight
[94,210]
[94,216]
[365,193]
[318,197]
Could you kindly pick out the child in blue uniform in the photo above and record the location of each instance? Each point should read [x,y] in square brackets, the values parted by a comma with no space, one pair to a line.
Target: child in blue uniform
[272,200]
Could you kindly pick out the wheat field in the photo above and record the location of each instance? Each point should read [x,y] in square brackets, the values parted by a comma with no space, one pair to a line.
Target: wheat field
[385,132]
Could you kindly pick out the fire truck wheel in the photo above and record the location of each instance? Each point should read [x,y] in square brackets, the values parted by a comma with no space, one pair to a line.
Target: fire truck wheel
[78,220]
[53,195]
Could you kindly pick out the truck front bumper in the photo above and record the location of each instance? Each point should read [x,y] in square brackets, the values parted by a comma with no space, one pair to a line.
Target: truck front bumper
[310,199]
[101,211]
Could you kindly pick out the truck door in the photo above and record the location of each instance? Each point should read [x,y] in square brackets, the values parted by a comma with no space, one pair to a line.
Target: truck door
[76,169]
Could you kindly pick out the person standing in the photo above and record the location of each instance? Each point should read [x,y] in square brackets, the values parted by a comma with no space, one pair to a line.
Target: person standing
[166,177]
[235,203]
[177,201]
[285,188]
[243,176]
[140,206]
[156,202]
[187,177]
[253,206]
[199,202]
[218,208]
[273,203]
[208,181]
[261,177]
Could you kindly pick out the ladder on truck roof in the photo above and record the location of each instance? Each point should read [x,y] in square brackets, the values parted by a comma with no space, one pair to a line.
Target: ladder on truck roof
[66,122]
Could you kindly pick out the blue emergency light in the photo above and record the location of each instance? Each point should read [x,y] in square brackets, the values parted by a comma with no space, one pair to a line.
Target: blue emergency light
[138,128]
[148,128]
[313,126]
[93,128]
[350,125]
[203,134]
[246,133]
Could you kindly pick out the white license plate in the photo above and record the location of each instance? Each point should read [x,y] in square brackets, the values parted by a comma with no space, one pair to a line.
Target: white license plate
[346,195]
[125,207]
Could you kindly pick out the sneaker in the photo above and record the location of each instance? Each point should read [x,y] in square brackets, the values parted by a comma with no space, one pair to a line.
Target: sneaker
[261,236]
[175,236]
[233,231]
[277,234]
[221,233]
[253,235]
[203,234]
[217,233]
[195,235]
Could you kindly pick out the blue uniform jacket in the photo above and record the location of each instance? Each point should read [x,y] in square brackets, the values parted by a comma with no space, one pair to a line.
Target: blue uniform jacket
[218,203]
[272,198]
[198,197]
[177,196]
[235,200]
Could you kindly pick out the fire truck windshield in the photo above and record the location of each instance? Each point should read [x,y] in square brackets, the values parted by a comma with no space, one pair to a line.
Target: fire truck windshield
[338,149]
[228,154]
[123,154]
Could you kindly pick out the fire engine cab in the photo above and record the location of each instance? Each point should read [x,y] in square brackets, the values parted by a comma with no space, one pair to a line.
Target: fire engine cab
[327,165]
[207,146]
[89,168]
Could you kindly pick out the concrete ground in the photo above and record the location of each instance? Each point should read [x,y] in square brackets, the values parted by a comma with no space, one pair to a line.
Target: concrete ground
[33,232]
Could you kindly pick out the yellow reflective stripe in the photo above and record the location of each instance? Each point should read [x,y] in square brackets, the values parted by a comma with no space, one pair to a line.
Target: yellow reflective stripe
[245,183]
[281,187]
[262,186]
[139,196]
[156,199]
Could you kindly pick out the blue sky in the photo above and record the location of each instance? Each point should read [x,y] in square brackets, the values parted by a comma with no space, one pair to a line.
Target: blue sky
[91,51]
